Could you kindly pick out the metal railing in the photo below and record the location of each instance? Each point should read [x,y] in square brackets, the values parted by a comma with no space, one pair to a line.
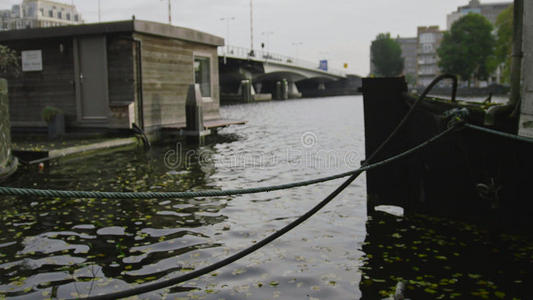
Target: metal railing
[267,56]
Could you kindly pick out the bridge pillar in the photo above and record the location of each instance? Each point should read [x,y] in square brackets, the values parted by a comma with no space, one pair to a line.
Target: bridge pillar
[282,90]
[258,87]
[293,91]
[246,90]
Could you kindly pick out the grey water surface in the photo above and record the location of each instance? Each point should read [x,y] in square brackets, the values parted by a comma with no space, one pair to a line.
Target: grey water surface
[63,248]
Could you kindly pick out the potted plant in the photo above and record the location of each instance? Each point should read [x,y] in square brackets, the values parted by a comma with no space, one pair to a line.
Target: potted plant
[9,62]
[55,118]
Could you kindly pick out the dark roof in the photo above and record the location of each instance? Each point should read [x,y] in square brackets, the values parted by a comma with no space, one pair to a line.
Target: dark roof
[130,26]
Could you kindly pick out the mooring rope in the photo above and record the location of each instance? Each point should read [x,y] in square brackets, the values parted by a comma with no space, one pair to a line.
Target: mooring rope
[365,167]
[500,133]
[215,266]
[11,191]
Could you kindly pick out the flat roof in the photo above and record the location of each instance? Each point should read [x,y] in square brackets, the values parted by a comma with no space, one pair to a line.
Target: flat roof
[129,26]
[485,5]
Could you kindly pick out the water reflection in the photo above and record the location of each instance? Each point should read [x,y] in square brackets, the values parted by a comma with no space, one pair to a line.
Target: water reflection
[67,247]
[70,247]
[443,259]
[73,243]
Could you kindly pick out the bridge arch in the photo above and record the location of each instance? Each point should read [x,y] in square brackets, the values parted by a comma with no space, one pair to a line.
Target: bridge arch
[314,86]
[279,75]
[281,84]
[264,74]
[231,82]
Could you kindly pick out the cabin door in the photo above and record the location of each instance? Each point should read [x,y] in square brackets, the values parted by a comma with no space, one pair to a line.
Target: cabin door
[91,82]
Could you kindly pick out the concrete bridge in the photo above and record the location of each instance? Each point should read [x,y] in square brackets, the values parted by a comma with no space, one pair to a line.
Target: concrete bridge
[260,75]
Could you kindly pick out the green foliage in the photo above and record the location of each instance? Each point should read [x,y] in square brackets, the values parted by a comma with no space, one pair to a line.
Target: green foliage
[504,41]
[468,48]
[410,79]
[9,63]
[387,56]
[49,113]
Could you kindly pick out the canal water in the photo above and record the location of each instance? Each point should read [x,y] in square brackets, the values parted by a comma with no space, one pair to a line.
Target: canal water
[51,247]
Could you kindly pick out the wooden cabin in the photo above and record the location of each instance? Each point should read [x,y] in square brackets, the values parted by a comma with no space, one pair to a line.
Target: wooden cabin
[107,76]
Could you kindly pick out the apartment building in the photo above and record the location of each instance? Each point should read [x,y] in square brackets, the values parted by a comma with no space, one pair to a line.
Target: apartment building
[428,41]
[409,48]
[491,11]
[39,13]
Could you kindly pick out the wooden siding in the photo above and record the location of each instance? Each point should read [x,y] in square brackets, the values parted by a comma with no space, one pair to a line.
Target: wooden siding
[54,86]
[32,91]
[167,71]
[120,69]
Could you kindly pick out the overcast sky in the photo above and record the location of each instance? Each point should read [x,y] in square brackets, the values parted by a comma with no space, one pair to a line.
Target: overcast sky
[337,30]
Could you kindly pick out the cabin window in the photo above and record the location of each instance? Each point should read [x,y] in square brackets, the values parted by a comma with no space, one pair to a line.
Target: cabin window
[202,74]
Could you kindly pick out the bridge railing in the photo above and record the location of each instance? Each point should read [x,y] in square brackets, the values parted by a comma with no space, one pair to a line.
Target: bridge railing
[245,53]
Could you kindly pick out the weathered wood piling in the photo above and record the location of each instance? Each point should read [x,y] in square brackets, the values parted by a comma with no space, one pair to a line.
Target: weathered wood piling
[467,174]
[526,117]
[195,131]
[8,164]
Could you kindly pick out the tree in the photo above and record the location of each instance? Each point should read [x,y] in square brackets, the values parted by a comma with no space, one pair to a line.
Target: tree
[468,48]
[9,63]
[504,41]
[386,56]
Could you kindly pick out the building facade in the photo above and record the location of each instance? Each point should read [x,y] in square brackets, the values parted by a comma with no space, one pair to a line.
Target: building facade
[39,13]
[420,53]
[408,46]
[420,56]
[409,51]
[107,76]
[428,41]
[491,11]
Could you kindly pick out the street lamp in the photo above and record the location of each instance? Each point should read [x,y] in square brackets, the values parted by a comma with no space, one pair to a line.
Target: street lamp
[227,19]
[251,28]
[267,34]
[170,12]
[297,46]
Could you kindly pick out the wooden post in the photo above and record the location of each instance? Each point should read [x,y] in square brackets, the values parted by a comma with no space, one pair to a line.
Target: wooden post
[516,65]
[384,108]
[8,164]
[195,130]
[526,116]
